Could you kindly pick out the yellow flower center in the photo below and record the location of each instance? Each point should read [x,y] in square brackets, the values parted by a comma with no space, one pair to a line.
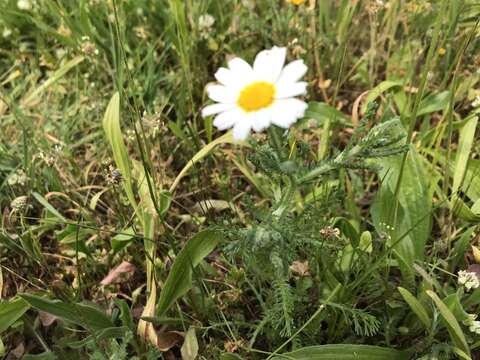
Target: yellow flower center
[296,2]
[256,96]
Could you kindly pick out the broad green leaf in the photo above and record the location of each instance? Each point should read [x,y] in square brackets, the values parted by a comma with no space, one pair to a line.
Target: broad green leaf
[224,139]
[453,303]
[454,329]
[84,315]
[48,355]
[113,131]
[48,206]
[415,306]
[320,111]
[473,299]
[230,356]
[465,143]
[107,333]
[125,314]
[413,216]
[433,102]
[123,239]
[179,279]
[11,311]
[345,352]
[379,90]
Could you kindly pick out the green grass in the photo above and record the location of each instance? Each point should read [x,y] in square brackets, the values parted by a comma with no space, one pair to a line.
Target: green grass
[132,228]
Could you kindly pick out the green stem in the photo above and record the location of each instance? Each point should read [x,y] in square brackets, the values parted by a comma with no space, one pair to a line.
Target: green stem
[319,310]
[286,200]
[276,141]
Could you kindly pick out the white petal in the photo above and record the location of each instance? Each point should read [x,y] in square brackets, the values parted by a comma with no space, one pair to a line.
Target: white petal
[222,94]
[286,111]
[216,108]
[242,128]
[241,69]
[268,64]
[262,119]
[227,119]
[292,72]
[226,77]
[290,90]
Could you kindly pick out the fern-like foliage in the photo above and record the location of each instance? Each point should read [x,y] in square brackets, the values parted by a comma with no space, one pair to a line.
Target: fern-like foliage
[282,311]
[364,323]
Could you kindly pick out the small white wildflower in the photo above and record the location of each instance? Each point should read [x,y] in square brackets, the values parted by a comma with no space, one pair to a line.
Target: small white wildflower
[476,101]
[88,47]
[205,24]
[48,159]
[23,47]
[470,318]
[60,53]
[475,327]
[17,178]
[468,279]
[24,5]
[6,32]
[206,21]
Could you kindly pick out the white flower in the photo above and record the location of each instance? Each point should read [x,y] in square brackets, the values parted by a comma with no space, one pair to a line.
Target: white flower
[6,32]
[476,101]
[205,21]
[256,97]
[468,279]
[24,5]
[475,327]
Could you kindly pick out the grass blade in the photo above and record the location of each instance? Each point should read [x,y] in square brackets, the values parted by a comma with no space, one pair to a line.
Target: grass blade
[11,311]
[179,279]
[416,306]
[451,323]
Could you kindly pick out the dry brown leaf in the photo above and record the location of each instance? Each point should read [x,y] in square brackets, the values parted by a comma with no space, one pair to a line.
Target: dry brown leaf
[355,108]
[46,319]
[476,254]
[232,346]
[169,339]
[145,329]
[300,268]
[115,275]
[18,351]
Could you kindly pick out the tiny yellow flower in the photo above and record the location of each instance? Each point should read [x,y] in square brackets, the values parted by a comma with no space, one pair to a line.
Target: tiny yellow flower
[296,2]
[442,51]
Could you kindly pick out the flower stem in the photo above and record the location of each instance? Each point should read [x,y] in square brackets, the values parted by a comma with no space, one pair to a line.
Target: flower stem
[275,138]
